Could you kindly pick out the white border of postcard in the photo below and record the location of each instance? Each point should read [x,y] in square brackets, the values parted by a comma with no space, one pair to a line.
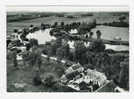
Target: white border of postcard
[95,5]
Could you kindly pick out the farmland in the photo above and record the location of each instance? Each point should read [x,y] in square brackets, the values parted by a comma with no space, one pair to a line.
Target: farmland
[100,18]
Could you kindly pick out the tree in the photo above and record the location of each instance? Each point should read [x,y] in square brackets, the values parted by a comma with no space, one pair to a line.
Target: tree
[55,45]
[124,74]
[122,18]
[79,50]
[90,56]
[97,46]
[15,30]
[33,42]
[49,79]
[83,28]
[63,51]
[62,23]
[90,34]
[98,33]
[55,24]
[60,53]
[35,55]
[42,26]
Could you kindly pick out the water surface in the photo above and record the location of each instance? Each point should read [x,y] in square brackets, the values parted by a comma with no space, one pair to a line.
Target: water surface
[108,33]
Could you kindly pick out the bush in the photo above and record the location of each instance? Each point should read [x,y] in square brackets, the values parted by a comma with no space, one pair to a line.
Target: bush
[98,46]
[49,79]
[33,42]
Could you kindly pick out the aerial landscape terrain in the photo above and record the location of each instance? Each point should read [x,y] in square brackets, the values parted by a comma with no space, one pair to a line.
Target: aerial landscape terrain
[68,51]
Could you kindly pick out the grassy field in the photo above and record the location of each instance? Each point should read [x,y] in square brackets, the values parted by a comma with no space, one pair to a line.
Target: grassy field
[26,73]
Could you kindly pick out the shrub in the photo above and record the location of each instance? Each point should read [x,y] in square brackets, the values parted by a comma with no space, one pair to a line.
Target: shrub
[49,79]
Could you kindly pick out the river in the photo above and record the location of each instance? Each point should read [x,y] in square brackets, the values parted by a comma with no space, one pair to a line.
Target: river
[108,33]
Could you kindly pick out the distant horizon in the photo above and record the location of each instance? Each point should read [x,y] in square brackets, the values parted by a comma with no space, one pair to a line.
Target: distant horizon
[65,9]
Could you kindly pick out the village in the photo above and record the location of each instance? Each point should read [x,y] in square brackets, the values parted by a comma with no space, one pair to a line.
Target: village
[66,57]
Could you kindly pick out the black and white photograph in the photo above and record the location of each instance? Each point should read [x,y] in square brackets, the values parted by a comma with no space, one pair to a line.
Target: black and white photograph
[67,49]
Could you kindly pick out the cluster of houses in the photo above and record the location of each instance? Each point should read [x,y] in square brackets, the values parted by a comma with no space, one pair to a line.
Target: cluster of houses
[83,80]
